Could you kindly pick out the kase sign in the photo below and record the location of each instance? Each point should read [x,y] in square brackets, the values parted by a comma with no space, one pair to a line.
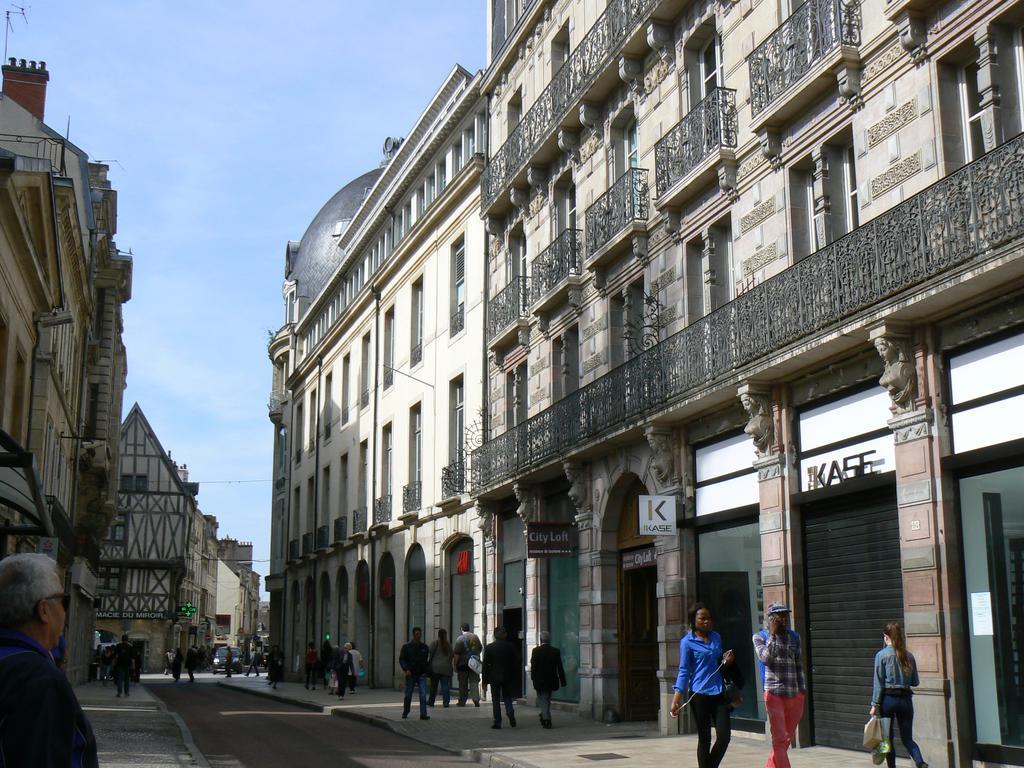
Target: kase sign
[657,516]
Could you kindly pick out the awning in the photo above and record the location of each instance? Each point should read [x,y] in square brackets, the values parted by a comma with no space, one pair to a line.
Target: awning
[20,492]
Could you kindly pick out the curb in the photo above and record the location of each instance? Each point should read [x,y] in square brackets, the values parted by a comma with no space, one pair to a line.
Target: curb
[481,756]
[186,735]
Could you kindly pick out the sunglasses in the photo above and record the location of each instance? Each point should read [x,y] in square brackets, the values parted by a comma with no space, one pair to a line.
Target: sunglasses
[65,600]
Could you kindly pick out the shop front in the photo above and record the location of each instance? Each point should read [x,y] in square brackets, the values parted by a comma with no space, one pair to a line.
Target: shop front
[460,587]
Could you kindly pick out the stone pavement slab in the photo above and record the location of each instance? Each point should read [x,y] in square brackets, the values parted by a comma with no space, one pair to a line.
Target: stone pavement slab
[573,742]
[136,730]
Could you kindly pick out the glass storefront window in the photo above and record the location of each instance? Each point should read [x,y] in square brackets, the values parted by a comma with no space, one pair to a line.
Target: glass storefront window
[564,620]
[417,580]
[992,517]
[461,568]
[729,562]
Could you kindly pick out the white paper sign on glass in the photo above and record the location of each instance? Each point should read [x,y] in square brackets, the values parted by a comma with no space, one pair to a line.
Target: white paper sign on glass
[981,613]
[657,516]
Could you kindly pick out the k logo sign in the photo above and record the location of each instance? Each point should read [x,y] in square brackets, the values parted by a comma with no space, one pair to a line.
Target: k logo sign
[657,516]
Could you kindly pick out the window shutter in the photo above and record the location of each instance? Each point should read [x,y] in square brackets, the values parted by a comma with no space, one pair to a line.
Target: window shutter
[460,264]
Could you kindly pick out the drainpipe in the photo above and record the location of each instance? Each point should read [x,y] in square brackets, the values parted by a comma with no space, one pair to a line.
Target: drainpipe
[289,447]
[316,494]
[485,414]
[373,484]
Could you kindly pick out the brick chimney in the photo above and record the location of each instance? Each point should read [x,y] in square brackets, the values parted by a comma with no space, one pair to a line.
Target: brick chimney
[26,84]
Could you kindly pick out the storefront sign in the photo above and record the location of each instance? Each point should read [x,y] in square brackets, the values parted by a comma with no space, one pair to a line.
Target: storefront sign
[639,558]
[462,562]
[549,539]
[657,516]
[134,615]
[831,469]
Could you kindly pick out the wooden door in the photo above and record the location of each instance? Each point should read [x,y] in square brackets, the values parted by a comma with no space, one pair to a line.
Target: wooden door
[638,644]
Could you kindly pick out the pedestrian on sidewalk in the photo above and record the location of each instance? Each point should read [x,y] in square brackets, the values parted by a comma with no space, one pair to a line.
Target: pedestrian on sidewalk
[501,671]
[254,663]
[324,664]
[229,661]
[440,664]
[191,662]
[168,660]
[275,667]
[358,666]
[702,661]
[176,663]
[107,664]
[343,667]
[465,655]
[41,722]
[891,694]
[780,658]
[124,664]
[312,659]
[413,660]
[547,674]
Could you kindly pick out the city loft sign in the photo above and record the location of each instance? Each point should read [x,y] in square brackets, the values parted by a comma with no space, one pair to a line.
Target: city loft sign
[549,539]
[657,516]
[134,615]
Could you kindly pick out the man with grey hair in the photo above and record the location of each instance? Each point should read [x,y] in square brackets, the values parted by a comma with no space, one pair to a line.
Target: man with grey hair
[41,722]
[547,674]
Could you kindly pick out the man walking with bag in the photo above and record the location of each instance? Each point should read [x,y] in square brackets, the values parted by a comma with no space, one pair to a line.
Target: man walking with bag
[781,660]
[466,651]
[547,674]
[501,672]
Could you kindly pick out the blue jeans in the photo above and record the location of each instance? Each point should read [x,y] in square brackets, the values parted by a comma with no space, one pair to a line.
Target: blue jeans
[502,693]
[446,689]
[901,710]
[415,681]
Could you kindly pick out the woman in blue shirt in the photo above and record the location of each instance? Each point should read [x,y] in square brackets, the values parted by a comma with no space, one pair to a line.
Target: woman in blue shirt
[895,674]
[701,661]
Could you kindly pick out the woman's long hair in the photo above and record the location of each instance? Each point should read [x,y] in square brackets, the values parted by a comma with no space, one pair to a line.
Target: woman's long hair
[442,642]
[894,632]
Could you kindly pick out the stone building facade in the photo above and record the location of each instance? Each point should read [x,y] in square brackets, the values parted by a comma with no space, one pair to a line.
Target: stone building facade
[762,259]
[377,372]
[63,282]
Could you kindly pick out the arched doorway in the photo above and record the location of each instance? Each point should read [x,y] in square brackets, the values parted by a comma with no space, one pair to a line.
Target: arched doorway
[416,591]
[638,611]
[385,629]
[344,632]
[296,649]
[362,630]
[460,586]
[326,630]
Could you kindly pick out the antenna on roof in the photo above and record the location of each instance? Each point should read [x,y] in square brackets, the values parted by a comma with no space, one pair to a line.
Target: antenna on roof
[16,10]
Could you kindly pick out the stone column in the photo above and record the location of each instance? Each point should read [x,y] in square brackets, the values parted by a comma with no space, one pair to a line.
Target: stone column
[707,268]
[487,586]
[988,86]
[822,201]
[928,544]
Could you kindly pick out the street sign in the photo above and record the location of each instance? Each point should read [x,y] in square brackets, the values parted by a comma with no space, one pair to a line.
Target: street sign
[548,539]
[639,558]
[657,516]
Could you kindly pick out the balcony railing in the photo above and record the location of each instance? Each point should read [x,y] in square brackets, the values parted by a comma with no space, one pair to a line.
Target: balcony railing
[458,321]
[323,537]
[293,550]
[962,217]
[589,59]
[708,127]
[340,530]
[816,29]
[52,151]
[416,354]
[412,496]
[625,202]
[508,305]
[453,479]
[555,263]
[275,405]
[382,510]
[359,520]
[307,543]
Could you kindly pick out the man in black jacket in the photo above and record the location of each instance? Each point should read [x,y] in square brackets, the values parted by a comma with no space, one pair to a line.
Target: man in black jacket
[501,672]
[41,723]
[547,674]
[413,659]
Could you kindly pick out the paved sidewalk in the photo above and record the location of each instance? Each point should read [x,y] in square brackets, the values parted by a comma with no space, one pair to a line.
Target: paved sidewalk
[574,742]
[136,730]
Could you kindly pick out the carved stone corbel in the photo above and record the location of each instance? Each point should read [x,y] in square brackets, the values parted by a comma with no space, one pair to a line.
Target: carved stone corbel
[497,358]
[576,298]
[579,493]
[523,336]
[527,509]
[771,146]
[520,198]
[631,72]
[590,115]
[914,37]
[568,141]
[756,401]
[659,38]
[848,80]
[495,226]
[536,177]
[600,281]
[639,247]
[673,221]
[543,323]
[485,521]
[662,460]
[899,376]
[727,180]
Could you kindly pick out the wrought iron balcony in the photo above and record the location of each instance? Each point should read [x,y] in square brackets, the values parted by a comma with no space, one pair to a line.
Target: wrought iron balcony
[551,269]
[359,520]
[802,41]
[412,496]
[458,321]
[453,479]
[382,510]
[293,550]
[416,354]
[707,128]
[323,537]
[307,543]
[340,530]
[389,375]
[961,218]
[364,398]
[508,305]
[626,202]
[594,54]
[275,406]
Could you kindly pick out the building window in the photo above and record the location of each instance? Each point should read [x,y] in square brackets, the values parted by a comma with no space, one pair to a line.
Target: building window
[457,156]
[849,179]
[346,394]
[298,433]
[389,348]
[560,49]
[415,444]
[134,483]
[364,466]
[325,494]
[312,418]
[801,208]
[458,289]
[343,485]
[364,372]
[514,111]
[328,404]
[416,335]
[442,176]
[119,530]
[386,454]
[565,200]
[632,145]
[468,143]
[710,65]
[456,421]
[970,112]
[108,580]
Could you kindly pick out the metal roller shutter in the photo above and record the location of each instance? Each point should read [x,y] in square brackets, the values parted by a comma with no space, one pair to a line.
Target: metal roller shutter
[854,587]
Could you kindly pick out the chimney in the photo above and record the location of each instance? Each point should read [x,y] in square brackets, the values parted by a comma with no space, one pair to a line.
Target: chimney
[183,473]
[26,84]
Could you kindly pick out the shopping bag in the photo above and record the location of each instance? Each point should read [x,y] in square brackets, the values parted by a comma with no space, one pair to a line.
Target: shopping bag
[475,665]
[878,754]
[873,733]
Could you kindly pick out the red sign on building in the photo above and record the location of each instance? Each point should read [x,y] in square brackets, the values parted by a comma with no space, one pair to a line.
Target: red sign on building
[387,587]
[462,563]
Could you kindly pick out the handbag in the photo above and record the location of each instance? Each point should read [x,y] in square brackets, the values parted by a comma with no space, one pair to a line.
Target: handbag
[873,734]
[475,665]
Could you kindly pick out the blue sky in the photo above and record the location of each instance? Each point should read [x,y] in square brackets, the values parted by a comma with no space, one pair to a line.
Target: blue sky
[227,125]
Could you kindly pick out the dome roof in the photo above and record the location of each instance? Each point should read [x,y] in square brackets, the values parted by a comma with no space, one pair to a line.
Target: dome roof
[318,255]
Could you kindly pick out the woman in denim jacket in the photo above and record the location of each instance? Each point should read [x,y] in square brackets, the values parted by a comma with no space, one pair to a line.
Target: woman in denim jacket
[895,674]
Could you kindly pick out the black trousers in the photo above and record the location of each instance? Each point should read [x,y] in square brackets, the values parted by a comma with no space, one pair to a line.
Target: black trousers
[502,694]
[708,710]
